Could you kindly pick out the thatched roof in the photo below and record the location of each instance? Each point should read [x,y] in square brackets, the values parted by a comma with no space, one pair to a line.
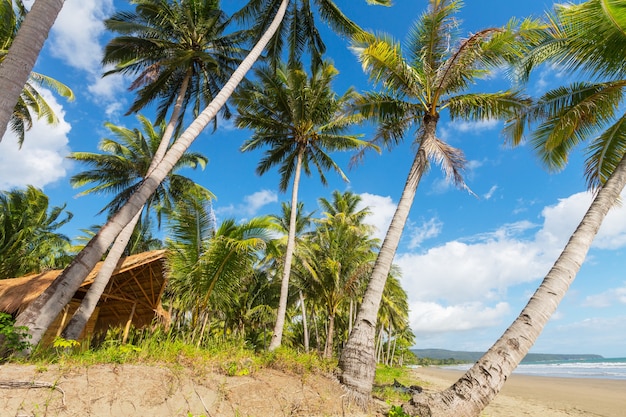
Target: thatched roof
[138,280]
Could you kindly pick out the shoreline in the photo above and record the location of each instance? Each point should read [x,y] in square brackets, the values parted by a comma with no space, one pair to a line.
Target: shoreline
[529,395]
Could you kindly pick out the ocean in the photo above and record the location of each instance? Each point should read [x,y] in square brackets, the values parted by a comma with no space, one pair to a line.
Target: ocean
[604,368]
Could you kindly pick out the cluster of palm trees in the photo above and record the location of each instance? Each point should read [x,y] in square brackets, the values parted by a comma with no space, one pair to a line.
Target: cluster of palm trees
[296,117]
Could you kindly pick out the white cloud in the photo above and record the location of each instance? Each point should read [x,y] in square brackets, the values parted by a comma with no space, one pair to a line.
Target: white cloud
[41,160]
[75,38]
[252,204]
[427,230]
[490,193]
[76,32]
[382,209]
[475,127]
[428,317]
[449,284]
[259,199]
[606,298]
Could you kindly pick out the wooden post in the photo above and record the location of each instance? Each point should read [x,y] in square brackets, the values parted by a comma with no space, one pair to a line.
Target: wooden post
[128,323]
[63,320]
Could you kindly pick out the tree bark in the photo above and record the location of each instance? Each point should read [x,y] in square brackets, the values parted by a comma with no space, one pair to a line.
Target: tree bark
[357,362]
[328,348]
[42,311]
[305,326]
[22,55]
[277,336]
[468,396]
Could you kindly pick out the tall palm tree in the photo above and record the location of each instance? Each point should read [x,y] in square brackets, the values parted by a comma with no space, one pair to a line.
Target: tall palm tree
[29,99]
[29,237]
[435,73]
[119,170]
[299,29]
[179,51]
[20,59]
[299,119]
[39,314]
[588,37]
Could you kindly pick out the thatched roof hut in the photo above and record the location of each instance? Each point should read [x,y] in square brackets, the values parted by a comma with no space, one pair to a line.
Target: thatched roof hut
[133,294]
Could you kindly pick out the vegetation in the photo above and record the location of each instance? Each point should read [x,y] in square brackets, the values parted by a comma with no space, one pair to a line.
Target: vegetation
[322,285]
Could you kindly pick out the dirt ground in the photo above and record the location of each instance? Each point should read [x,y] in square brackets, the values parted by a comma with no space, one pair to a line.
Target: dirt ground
[163,391]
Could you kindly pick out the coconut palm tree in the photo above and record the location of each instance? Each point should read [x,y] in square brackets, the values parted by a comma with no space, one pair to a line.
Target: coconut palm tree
[29,99]
[179,51]
[588,37]
[119,170]
[299,120]
[434,73]
[209,265]
[298,29]
[29,237]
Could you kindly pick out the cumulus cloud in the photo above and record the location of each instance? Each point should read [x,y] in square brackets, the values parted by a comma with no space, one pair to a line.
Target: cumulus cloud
[251,205]
[426,230]
[382,209]
[76,39]
[449,284]
[41,160]
[431,317]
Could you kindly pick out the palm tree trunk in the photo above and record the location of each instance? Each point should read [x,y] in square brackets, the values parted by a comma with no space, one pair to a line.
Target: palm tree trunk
[81,316]
[40,313]
[328,348]
[277,336]
[357,362]
[389,331]
[22,55]
[480,384]
[305,326]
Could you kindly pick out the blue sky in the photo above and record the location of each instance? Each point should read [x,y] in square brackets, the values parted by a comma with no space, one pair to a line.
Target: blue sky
[469,263]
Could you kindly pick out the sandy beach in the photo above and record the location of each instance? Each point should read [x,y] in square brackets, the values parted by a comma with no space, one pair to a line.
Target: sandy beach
[525,395]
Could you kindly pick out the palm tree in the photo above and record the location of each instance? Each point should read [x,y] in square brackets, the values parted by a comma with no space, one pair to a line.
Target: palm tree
[39,314]
[208,265]
[299,120]
[119,171]
[20,59]
[276,252]
[334,274]
[588,37]
[29,237]
[435,74]
[298,29]
[179,52]
[29,99]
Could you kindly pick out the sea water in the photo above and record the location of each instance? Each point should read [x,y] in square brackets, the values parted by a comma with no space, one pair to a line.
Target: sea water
[605,368]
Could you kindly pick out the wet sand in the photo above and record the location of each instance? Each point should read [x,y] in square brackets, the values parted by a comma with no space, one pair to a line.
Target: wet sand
[525,395]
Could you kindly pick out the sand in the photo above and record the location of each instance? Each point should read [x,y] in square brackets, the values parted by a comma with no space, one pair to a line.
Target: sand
[162,391]
[525,395]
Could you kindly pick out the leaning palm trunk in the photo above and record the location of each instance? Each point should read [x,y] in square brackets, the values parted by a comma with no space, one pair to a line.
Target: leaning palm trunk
[22,55]
[81,316]
[41,312]
[277,336]
[475,390]
[357,361]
